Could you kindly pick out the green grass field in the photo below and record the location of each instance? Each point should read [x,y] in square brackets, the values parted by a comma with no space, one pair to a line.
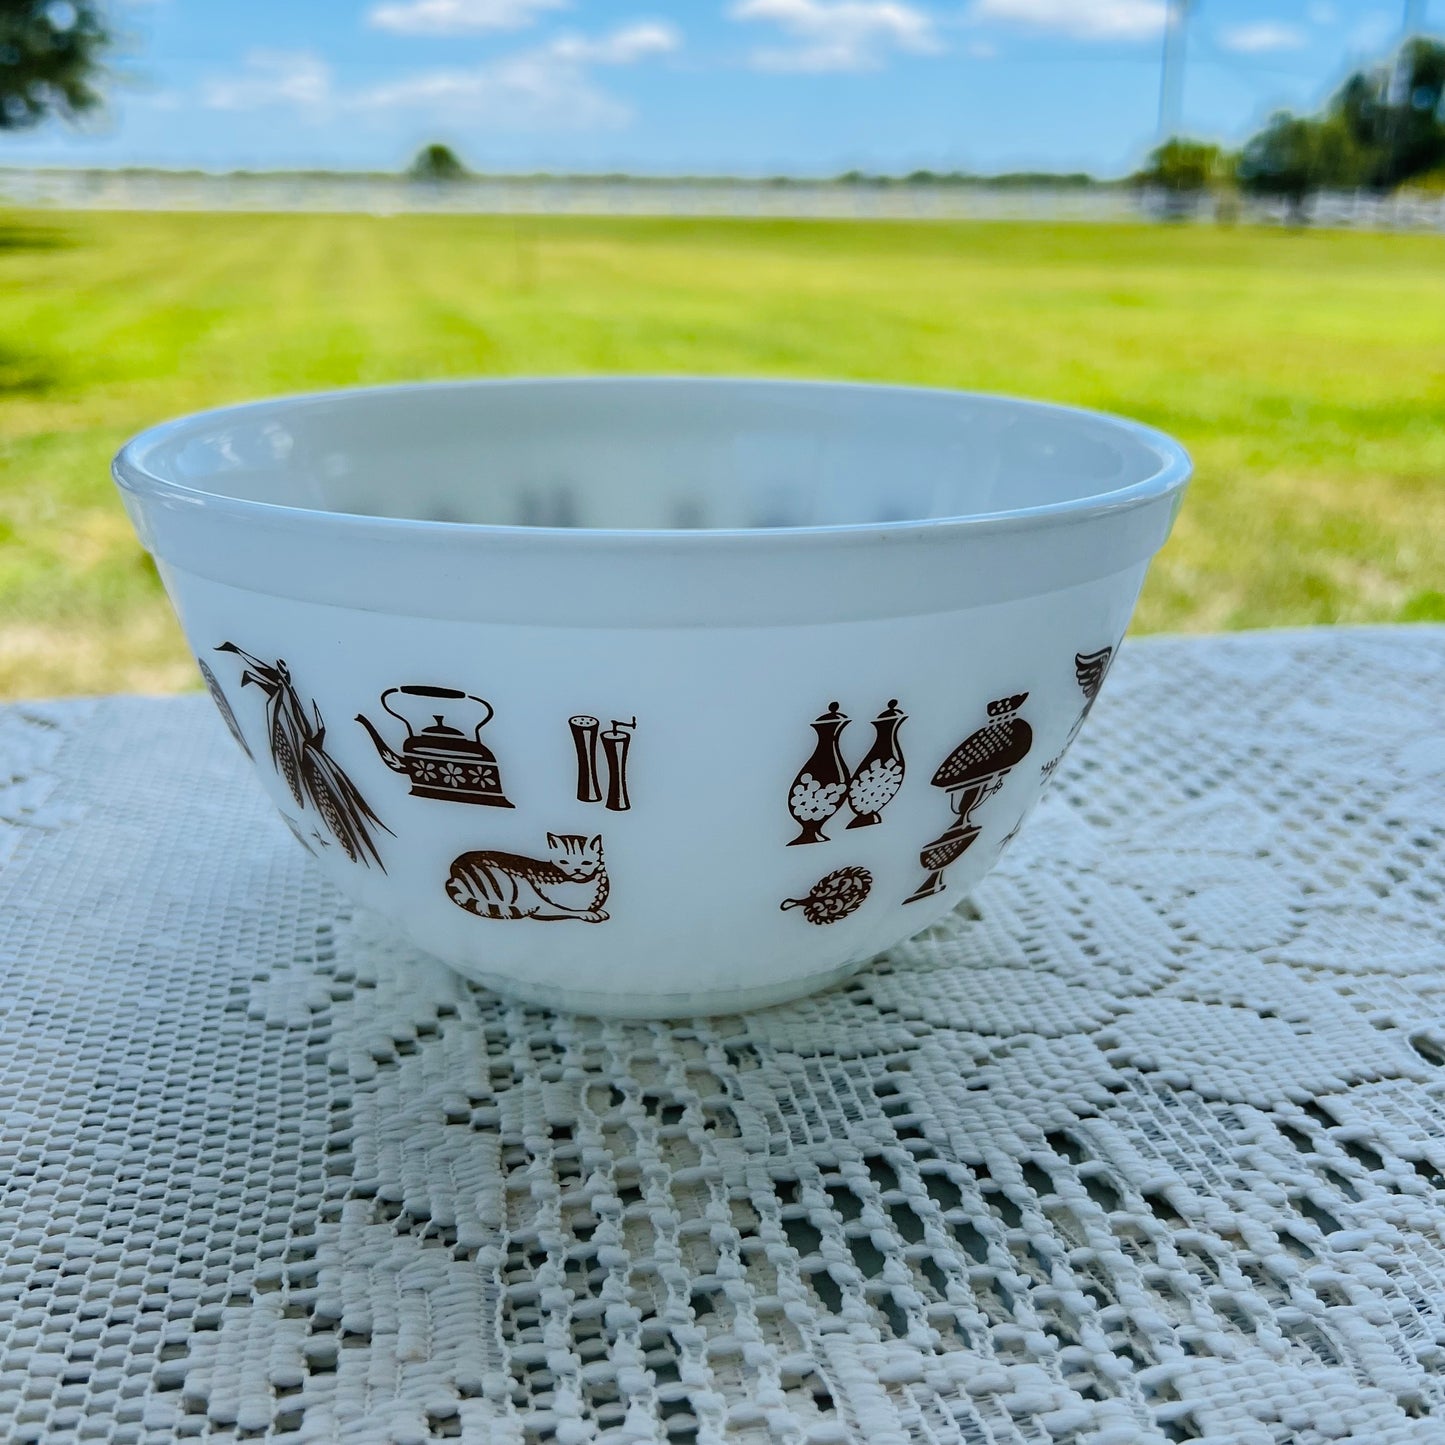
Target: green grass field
[1306,373]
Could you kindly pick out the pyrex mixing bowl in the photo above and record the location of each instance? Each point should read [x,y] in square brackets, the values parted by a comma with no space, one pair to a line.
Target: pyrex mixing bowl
[653,697]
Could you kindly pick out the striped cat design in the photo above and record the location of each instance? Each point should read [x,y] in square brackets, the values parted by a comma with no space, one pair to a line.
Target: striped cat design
[571,882]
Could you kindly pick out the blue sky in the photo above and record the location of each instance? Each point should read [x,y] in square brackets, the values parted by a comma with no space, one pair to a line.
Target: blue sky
[741,86]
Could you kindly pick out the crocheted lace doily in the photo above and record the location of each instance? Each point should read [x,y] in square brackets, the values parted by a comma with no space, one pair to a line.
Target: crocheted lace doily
[1146,1143]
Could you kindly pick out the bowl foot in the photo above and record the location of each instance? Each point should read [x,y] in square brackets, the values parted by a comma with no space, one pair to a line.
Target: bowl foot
[685,1004]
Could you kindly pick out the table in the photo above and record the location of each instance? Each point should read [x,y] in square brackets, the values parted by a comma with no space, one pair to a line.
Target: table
[1146,1143]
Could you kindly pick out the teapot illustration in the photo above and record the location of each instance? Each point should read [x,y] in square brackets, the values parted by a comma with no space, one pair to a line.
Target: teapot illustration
[441,759]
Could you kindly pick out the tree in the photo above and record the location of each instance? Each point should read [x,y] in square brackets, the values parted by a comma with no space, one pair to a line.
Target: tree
[51,54]
[1183,166]
[1280,160]
[1183,170]
[437,163]
[1392,115]
[1384,126]
[1414,139]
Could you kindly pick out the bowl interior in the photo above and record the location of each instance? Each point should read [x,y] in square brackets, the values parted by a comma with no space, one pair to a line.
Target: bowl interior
[650,454]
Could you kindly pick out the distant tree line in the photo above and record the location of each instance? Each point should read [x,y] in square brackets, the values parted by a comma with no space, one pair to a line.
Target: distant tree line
[1009,180]
[437,163]
[1383,128]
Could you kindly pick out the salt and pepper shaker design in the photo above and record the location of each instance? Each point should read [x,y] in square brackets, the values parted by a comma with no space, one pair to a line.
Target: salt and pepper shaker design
[584,740]
[616,742]
[973,771]
[817,792]
[587,732]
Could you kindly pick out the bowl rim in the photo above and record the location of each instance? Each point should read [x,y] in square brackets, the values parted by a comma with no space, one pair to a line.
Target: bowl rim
[132,474]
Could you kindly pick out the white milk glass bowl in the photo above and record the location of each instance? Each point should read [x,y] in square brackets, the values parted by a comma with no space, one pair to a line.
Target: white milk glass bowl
[653,696]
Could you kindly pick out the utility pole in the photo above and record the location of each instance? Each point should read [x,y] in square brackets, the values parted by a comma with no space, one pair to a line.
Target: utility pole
[1171,69]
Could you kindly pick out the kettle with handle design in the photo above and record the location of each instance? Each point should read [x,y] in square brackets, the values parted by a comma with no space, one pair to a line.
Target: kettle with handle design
[442,760]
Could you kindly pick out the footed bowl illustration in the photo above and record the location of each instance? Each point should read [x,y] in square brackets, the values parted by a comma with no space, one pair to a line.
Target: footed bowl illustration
[731,684]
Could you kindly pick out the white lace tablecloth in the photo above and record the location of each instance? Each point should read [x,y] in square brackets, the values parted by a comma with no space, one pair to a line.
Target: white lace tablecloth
[1147,1143]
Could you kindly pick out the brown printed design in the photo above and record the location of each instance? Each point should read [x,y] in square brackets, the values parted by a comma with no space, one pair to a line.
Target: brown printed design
[298,753]
[877,779]
[616,741]
[313,842]
[834,896]
[824,782]
[298,834]
[444,761]
[223,707]
[1090,670]
[972,772]
[571,882]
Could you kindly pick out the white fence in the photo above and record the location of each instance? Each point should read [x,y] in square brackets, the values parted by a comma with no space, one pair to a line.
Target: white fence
[385,195]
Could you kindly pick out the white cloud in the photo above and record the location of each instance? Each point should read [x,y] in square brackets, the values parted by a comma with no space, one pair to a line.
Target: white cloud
[547,88]
[522,93]
[272,77]
[458,17]
[1260,37]
[623,47]
[1078,19]
[833,35]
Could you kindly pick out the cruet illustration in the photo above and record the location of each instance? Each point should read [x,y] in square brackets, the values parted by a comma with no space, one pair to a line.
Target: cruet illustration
[877,779]
[298,753]
[587,732]
[822,782]
[442,760]
[973,771]
[833,896]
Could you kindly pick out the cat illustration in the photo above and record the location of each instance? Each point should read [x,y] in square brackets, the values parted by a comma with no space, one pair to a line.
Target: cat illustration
[570,883]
